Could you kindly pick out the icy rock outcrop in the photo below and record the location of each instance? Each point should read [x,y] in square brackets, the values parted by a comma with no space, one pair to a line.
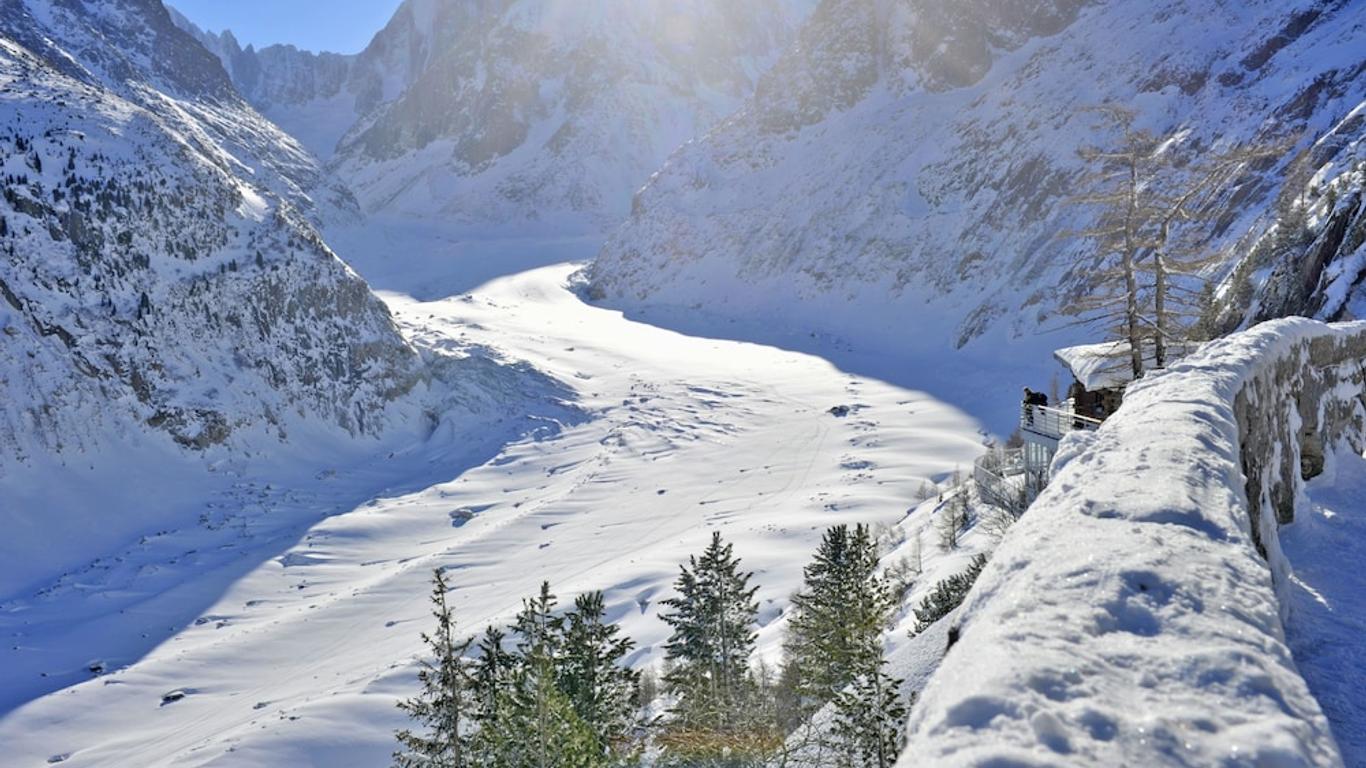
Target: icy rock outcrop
[910,162]
[1308,401]
[159,263]
[1133,616]
[1323,275]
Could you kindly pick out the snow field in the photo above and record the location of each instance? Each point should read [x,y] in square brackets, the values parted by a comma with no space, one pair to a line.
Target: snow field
[299,645]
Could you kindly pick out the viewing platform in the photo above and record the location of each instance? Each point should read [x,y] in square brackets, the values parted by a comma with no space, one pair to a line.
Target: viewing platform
[1011,477]
[1050,423]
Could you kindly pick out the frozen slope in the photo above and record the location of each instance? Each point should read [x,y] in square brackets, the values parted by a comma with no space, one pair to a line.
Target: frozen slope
[545,114]
[552,113]
[299,660]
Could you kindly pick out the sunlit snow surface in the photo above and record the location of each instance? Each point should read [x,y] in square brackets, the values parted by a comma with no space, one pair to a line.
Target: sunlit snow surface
[291,628]
[1326,547]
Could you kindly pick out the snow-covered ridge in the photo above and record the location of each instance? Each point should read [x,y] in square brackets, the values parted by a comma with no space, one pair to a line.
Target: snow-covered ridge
[318,97]
[549,113]
[1133,615]
[554,112]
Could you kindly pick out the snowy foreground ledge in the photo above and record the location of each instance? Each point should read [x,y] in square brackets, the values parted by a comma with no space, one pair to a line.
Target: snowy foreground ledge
[1132,616]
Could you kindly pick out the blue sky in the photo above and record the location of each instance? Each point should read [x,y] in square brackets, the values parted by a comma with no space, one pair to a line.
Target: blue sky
[342,26]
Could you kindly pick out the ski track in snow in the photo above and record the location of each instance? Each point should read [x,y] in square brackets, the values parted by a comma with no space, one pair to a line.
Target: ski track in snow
[313,590]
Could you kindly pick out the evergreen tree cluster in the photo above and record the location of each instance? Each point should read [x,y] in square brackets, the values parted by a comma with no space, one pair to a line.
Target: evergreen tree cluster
[560,698]
[834,654]
[948,595]
[552,691]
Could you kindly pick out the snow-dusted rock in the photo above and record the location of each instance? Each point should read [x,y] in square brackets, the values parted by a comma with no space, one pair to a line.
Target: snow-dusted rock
[159,266]
[318,97]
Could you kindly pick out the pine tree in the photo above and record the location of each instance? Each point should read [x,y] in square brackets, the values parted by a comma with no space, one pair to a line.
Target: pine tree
[948,595]
[1114,186]
[1292,210]
[870,721]
[444,704]
[536,728]
[1191,186]
[713,621]
[535,725]
[592,675]
[491,674]
[835,634]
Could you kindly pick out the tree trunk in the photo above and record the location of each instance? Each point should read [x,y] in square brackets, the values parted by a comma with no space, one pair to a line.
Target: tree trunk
[1160,310]
[1131,322]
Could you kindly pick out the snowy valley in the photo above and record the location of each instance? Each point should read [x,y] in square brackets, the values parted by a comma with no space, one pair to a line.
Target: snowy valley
[540,291]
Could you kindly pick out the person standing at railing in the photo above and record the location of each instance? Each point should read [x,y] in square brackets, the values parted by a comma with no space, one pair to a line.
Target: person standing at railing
[1031,399]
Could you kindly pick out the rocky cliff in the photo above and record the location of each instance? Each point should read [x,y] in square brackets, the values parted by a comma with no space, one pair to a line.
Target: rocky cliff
[160,269]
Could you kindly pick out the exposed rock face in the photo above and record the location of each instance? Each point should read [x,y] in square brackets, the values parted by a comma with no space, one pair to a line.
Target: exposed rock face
[919,156]
[513,112]
[1321,270]
[158,262]
[1308,400]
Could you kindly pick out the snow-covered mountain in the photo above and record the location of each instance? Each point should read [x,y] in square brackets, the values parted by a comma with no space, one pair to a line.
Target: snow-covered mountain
[159,262]
[318,97]
[518,111]
[1323,275]
[908,164]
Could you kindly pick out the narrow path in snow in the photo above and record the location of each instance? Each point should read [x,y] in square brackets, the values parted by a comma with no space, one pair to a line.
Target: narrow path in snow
[301,659]
[1326,547]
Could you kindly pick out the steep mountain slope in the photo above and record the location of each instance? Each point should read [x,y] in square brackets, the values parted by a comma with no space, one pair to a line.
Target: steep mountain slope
[917,157]
[159,265]
[518,111]
[172,325]
[1319,270]
[539,108]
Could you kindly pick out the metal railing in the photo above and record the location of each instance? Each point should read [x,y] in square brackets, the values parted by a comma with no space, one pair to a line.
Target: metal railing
[1005,477]
[1002,479]
[1054,422]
